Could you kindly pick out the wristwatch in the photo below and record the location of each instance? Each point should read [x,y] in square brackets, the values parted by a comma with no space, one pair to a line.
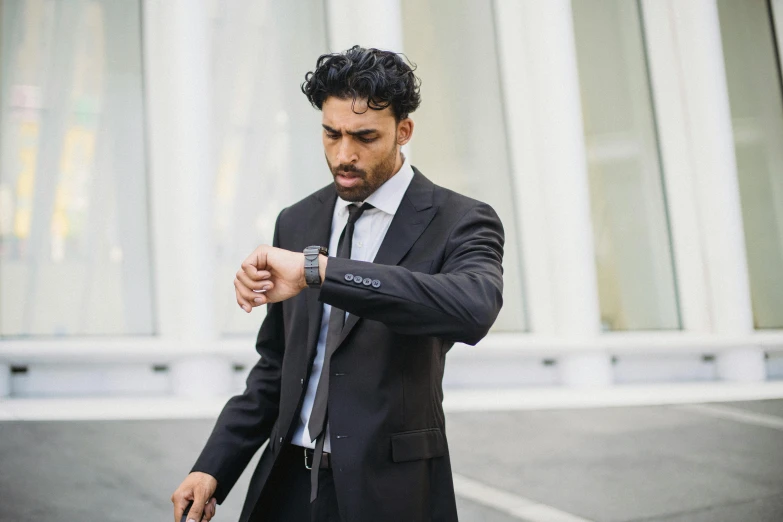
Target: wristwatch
[312,275]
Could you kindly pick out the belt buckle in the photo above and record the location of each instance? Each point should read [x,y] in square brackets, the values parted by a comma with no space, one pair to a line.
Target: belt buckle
[305,457]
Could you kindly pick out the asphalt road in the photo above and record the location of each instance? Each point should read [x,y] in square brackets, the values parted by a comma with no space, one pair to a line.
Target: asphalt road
[634,464]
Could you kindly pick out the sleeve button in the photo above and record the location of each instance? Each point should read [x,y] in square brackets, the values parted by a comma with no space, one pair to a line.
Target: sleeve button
[376,283]
[349,277]
[357,279]
[367,281]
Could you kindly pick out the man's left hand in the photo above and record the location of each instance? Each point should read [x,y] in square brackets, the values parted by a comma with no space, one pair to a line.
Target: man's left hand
[270,275]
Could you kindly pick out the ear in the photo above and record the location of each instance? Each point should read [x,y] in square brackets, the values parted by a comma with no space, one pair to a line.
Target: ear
[404,131]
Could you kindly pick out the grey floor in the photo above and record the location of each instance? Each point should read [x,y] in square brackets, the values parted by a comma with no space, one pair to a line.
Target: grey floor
[607,465]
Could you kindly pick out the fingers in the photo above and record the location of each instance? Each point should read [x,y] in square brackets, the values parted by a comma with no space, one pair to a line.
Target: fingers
[247,298]
[180,503]
[254,284]
[210,509]
[252,273]
[252,279]
[200,498]
[243,303]
[198,488]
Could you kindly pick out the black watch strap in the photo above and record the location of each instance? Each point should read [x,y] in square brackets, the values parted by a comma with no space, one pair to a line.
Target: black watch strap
[312,274]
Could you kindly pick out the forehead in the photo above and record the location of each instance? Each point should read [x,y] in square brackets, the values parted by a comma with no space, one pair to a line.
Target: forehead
[342,114]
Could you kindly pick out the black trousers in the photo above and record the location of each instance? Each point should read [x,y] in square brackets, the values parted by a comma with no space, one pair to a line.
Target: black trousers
[286,497]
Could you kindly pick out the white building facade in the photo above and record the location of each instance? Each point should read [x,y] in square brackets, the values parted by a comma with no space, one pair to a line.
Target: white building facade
[633,149]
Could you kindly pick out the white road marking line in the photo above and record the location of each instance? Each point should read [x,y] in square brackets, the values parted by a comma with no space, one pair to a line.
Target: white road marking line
[736,414]
[509,503]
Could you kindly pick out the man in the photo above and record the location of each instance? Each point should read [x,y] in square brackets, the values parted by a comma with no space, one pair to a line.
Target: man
[348,387]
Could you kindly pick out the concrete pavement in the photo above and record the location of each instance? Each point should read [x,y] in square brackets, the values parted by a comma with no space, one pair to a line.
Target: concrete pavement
[621,464]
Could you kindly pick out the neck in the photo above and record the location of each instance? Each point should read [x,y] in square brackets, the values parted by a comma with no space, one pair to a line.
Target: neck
[399,162]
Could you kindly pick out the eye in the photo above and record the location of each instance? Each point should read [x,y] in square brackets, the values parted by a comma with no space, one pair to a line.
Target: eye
[332,136]
[367,140]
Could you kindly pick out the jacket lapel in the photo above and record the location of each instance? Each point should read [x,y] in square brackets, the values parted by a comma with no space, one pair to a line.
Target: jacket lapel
[318,232]
[411,219]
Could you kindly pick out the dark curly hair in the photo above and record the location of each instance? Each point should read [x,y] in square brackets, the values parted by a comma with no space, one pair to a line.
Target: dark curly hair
[383,78]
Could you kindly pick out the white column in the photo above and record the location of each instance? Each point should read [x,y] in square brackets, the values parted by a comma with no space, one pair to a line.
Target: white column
[667,78]
[177,53]
[691,97]
[5,380]
[376,23]
[541,88]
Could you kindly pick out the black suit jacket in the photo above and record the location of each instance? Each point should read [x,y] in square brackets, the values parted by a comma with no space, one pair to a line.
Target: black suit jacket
[439,280]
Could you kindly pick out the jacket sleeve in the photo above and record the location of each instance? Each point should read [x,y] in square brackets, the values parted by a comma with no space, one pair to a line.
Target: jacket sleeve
[247,420]
[458,304]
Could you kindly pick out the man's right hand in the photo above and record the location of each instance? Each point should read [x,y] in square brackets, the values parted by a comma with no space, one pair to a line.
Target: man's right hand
[270,275]
[198,487]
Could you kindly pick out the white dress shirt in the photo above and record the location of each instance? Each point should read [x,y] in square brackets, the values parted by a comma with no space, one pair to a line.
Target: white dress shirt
[368,233]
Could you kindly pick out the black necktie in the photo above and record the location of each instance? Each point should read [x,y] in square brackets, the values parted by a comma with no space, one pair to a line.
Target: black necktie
[317,424]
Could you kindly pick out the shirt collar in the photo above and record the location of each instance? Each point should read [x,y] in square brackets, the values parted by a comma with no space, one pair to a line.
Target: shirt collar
[387,197]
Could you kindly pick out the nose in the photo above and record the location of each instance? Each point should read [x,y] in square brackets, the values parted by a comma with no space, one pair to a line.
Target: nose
[346,153]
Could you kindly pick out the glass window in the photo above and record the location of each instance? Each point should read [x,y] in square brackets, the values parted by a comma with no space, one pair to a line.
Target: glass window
[460,139]
[756,99]
[74,240]
[267,137]
[631,233]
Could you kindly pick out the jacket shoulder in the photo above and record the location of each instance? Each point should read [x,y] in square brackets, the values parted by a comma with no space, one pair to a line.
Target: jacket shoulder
[294,211]
[448,199]
[455,205]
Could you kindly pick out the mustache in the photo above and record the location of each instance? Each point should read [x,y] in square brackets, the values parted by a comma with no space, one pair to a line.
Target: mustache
[348,169]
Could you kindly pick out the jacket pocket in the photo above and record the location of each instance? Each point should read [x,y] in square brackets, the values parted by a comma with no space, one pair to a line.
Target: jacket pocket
[418,444]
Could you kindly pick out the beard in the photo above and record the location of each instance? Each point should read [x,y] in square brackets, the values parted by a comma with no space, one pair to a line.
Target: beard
[369,180]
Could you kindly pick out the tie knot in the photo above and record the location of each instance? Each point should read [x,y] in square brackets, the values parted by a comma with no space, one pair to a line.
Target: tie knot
[355,211]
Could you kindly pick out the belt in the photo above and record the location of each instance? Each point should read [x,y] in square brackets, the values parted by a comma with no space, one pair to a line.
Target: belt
[326,459]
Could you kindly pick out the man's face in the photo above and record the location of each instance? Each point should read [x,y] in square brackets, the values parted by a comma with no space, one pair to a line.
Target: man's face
[362,150]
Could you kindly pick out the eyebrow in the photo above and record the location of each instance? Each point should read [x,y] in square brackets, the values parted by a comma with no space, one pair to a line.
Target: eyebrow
[360,132]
